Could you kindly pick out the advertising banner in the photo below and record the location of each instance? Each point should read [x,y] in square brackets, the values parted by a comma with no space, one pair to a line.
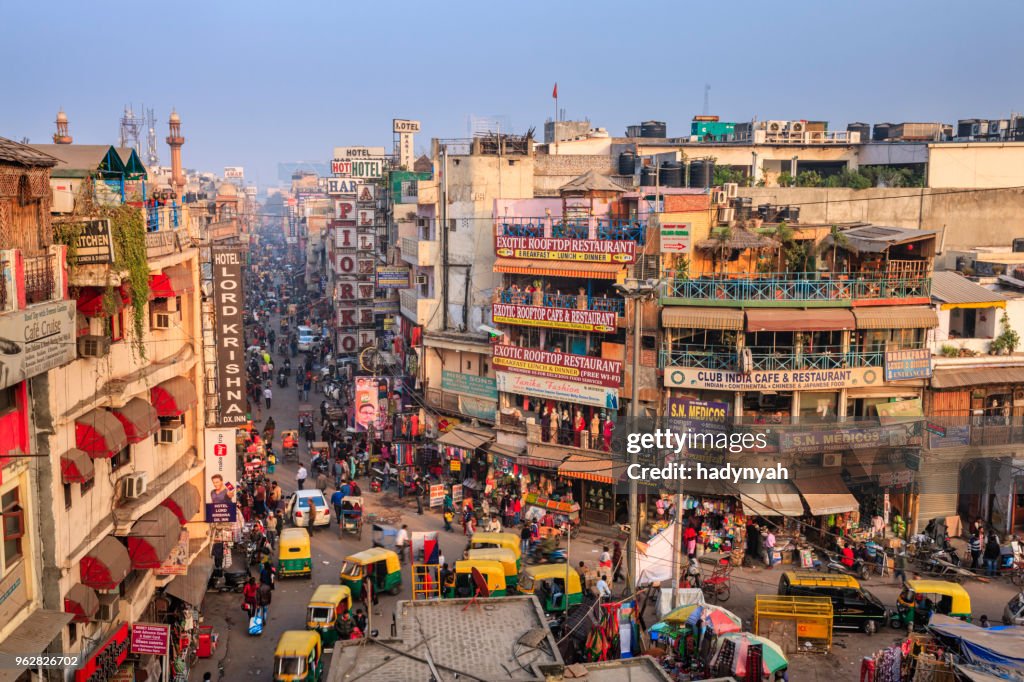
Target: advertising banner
[153,639]
[393,277]
[234,172]
[778,380]
[541,363]
[366,217]
[108,657]
[955,436]
[558,389]
[901,365]
[900,411]
[675,238]
[404,125]
[228,300]
[364,169]
[35,340]
[436,495]
[851,438]
[371,403]
[586,250]
[345,210]
[469,384]
[177,562]
[554,318]
[221,467]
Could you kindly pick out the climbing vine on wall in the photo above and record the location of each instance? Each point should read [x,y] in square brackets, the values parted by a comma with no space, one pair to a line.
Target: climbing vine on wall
[128,228]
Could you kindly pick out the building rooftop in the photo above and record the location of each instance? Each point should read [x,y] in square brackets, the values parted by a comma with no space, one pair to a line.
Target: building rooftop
[953,288]
[503,639]
[80,160]
[878,238]
[15,152]
[639,669]
[592,181]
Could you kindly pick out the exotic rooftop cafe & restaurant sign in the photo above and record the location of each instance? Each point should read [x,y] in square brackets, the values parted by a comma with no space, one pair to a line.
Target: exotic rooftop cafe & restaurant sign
[554,318]
[775,380]
[577,250]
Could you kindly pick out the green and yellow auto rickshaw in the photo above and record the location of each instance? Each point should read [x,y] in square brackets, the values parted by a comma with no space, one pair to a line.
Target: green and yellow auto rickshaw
[298,657]
[325,609]
[492,571]
[504,556]
[510,541]
[921,598]
[557,586]
[294,556]
[382,567]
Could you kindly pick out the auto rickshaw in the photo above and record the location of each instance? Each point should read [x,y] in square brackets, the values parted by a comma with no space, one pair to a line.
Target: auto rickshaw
[298,657]
[351,520]
[293,553]
[921,598]
[492,572]
[290,445]
[498,540]
[324,610]
[557,586]
[381,565]
[504,556]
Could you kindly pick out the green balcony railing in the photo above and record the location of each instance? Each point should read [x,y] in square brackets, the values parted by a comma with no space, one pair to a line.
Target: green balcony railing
[726,358]
[809,288]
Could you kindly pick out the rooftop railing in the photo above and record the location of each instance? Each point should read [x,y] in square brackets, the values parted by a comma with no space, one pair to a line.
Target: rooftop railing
[809,287]
[768,360]
[602,229]
[571,301]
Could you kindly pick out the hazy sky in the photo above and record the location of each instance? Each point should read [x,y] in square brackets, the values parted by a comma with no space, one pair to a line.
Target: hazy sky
[260,82]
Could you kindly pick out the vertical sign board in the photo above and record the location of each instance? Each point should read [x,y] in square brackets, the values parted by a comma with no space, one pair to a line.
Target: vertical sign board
[227,307]
[221,466]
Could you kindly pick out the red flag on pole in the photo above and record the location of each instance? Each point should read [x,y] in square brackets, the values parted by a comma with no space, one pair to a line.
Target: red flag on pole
[554,93]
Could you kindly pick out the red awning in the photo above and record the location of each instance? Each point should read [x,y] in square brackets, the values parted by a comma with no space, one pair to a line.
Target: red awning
[138,418]
[173,397]
[106,565]
[185,502]
[83,602]
[76,466]
[173,281]
[90,300]
[100,434]
[152,538]
[815,319]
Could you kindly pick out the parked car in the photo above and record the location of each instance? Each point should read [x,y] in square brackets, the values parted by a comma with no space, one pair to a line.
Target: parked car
[852,606]
[306,339]
[298,508]
[1013,613]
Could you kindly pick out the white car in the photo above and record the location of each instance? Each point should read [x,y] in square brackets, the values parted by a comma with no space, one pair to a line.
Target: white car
[306,339]
[298,508]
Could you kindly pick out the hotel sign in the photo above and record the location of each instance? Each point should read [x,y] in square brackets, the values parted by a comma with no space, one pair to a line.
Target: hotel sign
[392,277]
[228,302]
[341,185]
[901,365]
[796,380]
[582,369]
[577,250]
[555,318]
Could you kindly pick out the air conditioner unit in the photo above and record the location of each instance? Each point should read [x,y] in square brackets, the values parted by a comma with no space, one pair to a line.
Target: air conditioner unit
[164,320]
[171,304]
[775,127]
[719,198]
[996,128]
[93,346]
[171,433]
[726,214]
[732,189]
[133,486]
[979,129]
[832,459]
[798,126]
[421,279]
[109,607]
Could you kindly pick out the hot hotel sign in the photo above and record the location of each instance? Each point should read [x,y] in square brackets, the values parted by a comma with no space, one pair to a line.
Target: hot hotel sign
[577,250]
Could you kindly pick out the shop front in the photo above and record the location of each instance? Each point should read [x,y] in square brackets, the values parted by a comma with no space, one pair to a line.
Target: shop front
[463,458]
[594,481]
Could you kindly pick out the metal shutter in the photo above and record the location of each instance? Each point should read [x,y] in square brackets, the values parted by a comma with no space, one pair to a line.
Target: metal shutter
[938,488]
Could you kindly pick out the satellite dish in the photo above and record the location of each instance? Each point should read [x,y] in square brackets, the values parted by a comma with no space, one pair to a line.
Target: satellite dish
[481,583]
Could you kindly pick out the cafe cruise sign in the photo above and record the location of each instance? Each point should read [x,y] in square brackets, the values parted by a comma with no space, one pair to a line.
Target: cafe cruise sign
[577,250]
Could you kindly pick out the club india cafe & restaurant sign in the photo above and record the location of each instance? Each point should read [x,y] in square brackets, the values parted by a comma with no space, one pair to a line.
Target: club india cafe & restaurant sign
[775,380]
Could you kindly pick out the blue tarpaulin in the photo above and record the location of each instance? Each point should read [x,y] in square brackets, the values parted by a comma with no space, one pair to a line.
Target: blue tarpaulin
[1003,647]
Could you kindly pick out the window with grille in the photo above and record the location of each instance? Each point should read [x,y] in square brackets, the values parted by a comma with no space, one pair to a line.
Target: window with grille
[14,527]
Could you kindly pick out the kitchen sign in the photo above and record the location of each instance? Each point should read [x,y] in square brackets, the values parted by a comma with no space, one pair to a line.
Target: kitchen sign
[583,369]
[577,250]
[94,245]
[555,318]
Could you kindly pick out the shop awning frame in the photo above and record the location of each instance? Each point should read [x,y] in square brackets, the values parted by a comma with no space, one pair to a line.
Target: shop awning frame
[185,502]
[173,281]
[594,469]
[152,538]
[724,319]
[191,587]
[543,268]
[35,633]
[174,397]
[789,320]
[826,494]
[139,419]
[100,434]
[970,376]
[82,602]
[105,565]
[896,317]
[76,466]
[466,438]
[778,498]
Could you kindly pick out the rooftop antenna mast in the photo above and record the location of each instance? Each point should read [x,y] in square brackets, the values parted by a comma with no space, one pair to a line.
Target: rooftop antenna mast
[707,99]
[131,129]
[152,156]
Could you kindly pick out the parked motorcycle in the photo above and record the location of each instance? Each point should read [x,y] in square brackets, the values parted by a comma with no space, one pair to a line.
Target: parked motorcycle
[228,581]
[835,565]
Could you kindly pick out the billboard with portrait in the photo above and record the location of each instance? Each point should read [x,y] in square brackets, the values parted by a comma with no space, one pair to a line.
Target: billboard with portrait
[221,468]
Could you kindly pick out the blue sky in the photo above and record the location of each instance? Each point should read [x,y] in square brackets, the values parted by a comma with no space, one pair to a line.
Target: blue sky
[260,82]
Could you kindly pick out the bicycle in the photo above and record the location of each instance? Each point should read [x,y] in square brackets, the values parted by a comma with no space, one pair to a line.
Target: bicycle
[718,586]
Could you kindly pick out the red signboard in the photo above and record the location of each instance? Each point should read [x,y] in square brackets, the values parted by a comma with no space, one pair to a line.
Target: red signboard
[151,639]
[541,363]
[107,659]
[557,318]
[577,250]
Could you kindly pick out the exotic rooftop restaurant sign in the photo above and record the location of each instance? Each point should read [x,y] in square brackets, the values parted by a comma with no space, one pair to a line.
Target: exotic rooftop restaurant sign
[547,248]
[555,318]
[541,363]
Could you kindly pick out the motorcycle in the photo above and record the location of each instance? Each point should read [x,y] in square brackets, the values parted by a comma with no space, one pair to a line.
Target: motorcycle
[230,581]
[835,565]
[282,378]
[541,555]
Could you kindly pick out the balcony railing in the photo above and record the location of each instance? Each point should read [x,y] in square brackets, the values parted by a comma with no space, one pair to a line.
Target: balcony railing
[39,279]
[602,229]
[168,221]
[797,287]
[571,301]
[763,359]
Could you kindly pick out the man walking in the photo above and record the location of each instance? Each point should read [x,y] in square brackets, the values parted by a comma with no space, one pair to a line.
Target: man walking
[267,395]
[402,541]
[300,477]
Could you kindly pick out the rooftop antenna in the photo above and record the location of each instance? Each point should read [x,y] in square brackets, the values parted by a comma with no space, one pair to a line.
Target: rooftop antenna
[707,99]
[152,156]
[131,129]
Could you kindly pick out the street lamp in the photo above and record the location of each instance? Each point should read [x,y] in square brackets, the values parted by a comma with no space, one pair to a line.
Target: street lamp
[637,291]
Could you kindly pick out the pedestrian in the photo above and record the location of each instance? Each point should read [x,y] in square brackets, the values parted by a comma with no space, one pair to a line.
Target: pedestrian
[267,395]
[419,491]
[448,517]
[336,470]
[690,539]
[249,595]
[983,622]
[604,562]
[300,477]
[603,591]
[271,525]
[769,548]
[975,548]
[401,540]
[991,555]
[360,619]
[264,595]
[899,564]
[322,482]
[617,561]
[268,574]
[336,499]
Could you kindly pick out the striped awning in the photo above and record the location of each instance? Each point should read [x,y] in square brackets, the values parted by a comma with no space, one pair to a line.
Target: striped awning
[100,434]
[592,469]
[138,418]
[771,499]
[152,538]
[544,268]
[82,602]
[702,318]
[814,319]
[976,376]
[173,281]
[106,564]
[544,456]
[76,466]
[896,317]
[173,397]
[826,494]
[185,502]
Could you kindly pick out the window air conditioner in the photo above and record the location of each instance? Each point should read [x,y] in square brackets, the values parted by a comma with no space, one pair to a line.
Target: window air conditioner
[171,433]
[832,459]
[732,189]
[421,279]
[133,486]
[109,607]
[93,346]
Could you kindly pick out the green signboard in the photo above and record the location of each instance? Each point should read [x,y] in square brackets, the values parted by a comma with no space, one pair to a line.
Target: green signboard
[469,384]
[403,185]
